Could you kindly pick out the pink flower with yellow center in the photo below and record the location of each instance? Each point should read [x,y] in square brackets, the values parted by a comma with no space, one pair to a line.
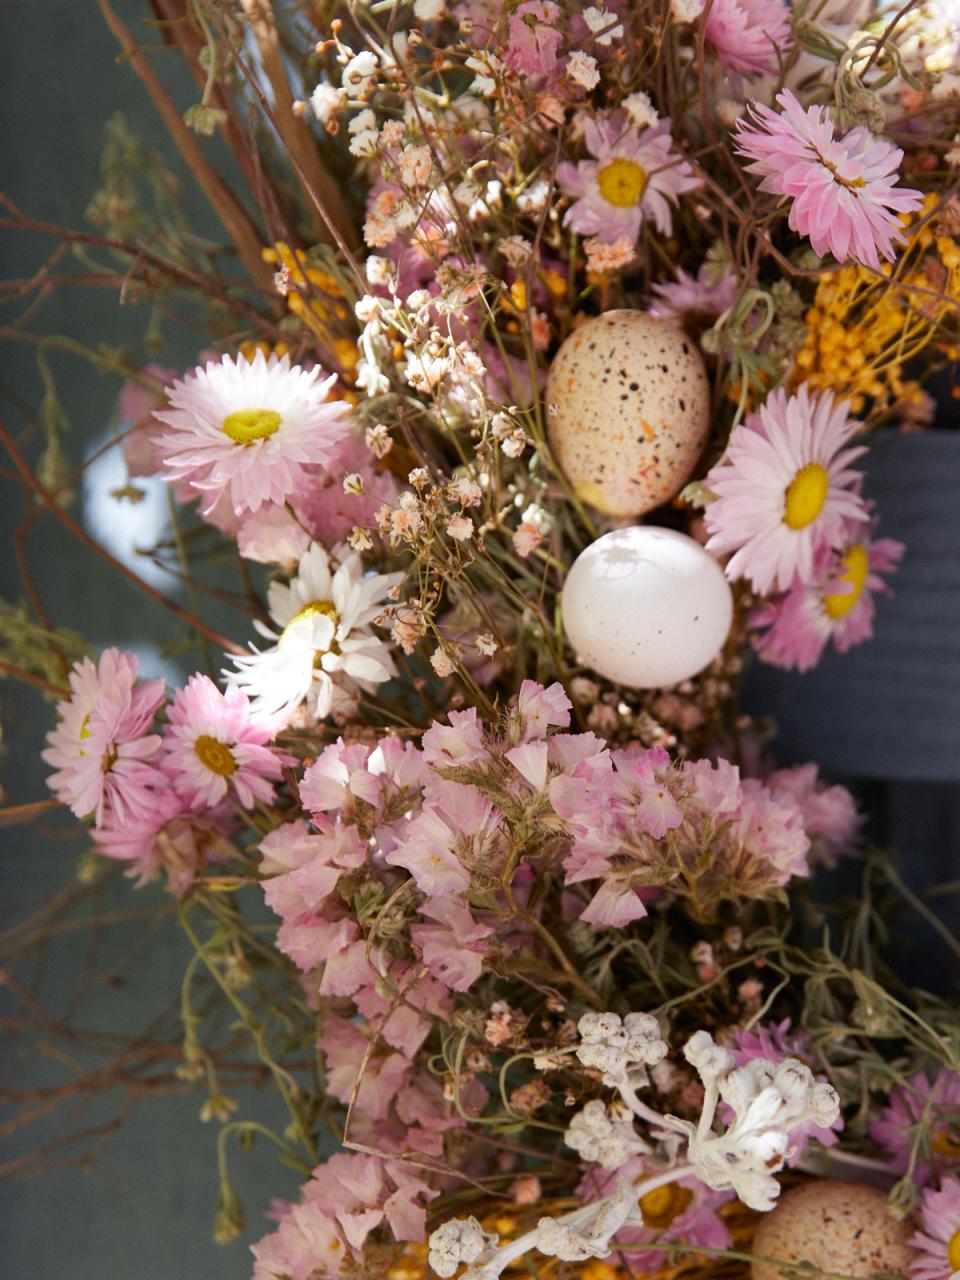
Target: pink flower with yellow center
[938,1241]
[101,749]
[212,747]
[244,431]
[837,607]
[784,491]
[633,175]
[843,190]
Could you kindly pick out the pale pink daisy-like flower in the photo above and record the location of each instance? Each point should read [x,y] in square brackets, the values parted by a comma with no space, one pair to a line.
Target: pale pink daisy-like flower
[843,189]
[633,175]
[101,749]
[707,294]
[212,747]
[784,490]
[837,607]
[246,430]
[748,34]
[114,673]
[922,1103]
[938,1241]
[324,651]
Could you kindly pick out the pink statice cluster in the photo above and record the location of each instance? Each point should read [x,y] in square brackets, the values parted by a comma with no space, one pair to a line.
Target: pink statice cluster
[640,823]
[161,794]
[787,512]
[414,870]
[346,1198]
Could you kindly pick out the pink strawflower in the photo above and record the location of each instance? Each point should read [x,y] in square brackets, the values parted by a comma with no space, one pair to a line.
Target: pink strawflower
[830,815]
[748,34]
[101,749]
[169,838]
[246,430]
[783,489]
[938,1241]
[633,175]
[211,746]
[925,1109]
[774,1041]
[706,295]
[836,607]
[843,189]
[535,38]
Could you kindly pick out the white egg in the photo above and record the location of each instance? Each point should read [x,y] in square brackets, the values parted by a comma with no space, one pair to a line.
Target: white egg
[628,411]
[646,607]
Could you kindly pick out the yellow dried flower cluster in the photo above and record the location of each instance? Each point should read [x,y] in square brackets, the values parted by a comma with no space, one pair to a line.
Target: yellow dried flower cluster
[863,328]
[316,299]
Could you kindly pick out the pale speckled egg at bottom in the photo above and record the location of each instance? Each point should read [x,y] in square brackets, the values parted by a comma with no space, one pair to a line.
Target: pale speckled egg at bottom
[646,607]
[844,1227]
[628,411]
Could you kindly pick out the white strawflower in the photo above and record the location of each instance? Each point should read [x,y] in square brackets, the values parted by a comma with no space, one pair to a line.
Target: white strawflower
[324,650]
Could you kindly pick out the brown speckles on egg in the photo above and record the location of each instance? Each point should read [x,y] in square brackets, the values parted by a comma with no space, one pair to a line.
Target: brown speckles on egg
[843,1227]
[632,403]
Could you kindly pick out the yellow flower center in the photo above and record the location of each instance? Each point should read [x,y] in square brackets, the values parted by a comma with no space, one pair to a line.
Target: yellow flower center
[108,759]
[247,425]
[621,183]
[660,1206]
[946,1141]
[806,493]
[953,1251]
[311,610]
[856,566]
[215,756]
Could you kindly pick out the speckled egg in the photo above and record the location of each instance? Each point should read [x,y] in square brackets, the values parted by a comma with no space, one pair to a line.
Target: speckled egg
[628,409]
[843,1227]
